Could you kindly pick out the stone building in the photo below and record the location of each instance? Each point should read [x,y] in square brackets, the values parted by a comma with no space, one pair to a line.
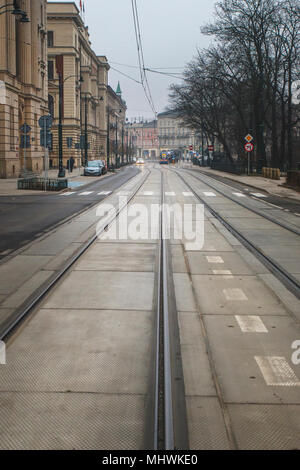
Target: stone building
[116,120]
[85,79]
[145,137]
[23,84]
[174,135]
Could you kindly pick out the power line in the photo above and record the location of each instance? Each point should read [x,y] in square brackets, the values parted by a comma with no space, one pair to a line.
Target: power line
[141,60]
[125,75]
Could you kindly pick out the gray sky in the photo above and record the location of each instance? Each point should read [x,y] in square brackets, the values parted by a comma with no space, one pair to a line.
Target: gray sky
[170,31]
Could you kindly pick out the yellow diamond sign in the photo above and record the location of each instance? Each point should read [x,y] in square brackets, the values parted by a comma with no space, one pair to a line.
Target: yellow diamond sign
[249,138]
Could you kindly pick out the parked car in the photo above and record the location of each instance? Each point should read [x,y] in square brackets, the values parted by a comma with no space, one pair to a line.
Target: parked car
[104,166]
[140,161]
[93,168]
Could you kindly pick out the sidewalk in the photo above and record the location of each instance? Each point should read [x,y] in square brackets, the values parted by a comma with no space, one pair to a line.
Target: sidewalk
[76,179]
[274,187]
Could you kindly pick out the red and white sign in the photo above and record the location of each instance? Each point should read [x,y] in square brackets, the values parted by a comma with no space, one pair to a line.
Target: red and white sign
[191,147]
[210,148]
[249,147]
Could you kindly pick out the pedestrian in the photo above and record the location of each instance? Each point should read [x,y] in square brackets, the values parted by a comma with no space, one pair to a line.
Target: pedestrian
[72,163]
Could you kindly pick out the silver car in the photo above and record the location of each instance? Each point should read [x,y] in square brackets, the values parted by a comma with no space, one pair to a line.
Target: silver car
[93,168]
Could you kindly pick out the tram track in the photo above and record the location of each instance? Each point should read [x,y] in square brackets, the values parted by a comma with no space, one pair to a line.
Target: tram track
[35,298]
[290,282]
[245,206]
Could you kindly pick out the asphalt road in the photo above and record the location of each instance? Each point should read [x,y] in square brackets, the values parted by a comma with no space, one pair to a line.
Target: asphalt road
[24,218]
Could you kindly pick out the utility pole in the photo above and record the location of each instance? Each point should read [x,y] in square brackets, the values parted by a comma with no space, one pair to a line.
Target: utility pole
[122,143]
[60,71]
[116,143]
[86,131]
[108,139]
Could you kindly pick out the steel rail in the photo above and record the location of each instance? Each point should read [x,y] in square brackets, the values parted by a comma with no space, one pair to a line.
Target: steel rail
[255,211]
[286,278]
[33,300]
[163,392]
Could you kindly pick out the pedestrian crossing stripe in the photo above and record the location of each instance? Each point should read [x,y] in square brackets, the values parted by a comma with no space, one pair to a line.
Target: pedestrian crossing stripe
[104,193]
[239,194]
[68,194]
[187,194]
[209,194]
[170,194]
[86,193]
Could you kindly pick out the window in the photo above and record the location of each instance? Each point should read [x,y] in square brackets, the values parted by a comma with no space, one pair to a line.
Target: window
[50,38]
[50,69]
[12,126]
[51,105]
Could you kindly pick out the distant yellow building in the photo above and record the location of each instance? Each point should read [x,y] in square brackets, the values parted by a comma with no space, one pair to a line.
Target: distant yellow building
[23,84]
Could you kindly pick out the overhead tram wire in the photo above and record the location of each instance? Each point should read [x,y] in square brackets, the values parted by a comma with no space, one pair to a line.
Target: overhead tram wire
[125,75]
[143,74]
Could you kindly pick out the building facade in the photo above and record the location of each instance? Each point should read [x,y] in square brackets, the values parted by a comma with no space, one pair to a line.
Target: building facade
[145,137]
[174,135]
[116,124]
[85,87]
[23,85]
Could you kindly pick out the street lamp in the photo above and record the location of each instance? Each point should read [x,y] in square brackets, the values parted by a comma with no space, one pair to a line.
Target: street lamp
[15,11]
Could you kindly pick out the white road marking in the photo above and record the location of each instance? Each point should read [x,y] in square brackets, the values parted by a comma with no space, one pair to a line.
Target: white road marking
[188,194]
[171,194]
[104,193]
[215,259]
[68,194]
[235,294]
[251,324]
[225,273]
[148,193]
[297,214]
[123,193]
[276,371]
[258,195]
[239,194]
[86,193]
[208,194]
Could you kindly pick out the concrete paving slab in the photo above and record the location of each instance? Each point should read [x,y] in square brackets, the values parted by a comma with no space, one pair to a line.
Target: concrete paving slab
[266,427]
[20,295]
[81,351]
[251,223]
[58,261]
[211,292]
[123,257]
[19,270]
[206,426]
[184,294]
[251,260]
[200,263]
[59,240]
[5,314]
[287,298]
[178,263]
[272,237]
[71,421]
[236,213]
[105,291]
[196,368]
[234,352]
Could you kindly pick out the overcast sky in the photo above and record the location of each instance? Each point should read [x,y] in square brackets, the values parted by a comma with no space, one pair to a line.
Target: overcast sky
[170,31]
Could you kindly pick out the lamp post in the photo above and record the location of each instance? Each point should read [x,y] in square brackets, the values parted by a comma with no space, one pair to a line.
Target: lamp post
[15,11]
[85,130]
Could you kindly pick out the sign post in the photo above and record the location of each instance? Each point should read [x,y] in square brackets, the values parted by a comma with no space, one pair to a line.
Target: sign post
[45,123]
[25,141]
[249,148]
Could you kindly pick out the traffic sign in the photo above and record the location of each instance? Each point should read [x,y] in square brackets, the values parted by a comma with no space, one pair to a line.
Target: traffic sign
[46,139]
[46,122]
[210,148]
[25,129]
[69,142]
[249,138]
[25,142]
[191,147]
[249,147]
